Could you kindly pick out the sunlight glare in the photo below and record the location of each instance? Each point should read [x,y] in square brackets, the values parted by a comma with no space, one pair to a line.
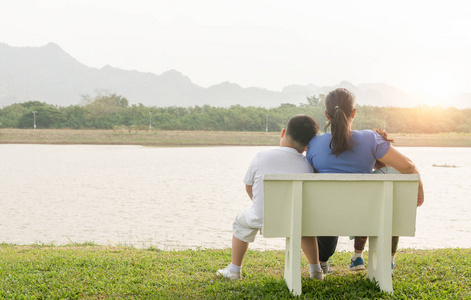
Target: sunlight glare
[437,85]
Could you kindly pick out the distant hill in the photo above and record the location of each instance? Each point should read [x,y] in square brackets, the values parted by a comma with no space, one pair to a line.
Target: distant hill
[49,74]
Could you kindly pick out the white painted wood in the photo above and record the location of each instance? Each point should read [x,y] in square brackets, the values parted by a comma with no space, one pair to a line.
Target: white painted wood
[293,242]
[374,205]
[380,245]
[342,176]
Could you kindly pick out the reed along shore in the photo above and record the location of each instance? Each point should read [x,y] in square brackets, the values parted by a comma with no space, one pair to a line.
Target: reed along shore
[197,138]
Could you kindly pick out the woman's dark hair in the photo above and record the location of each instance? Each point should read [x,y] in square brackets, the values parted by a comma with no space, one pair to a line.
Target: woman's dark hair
[339,106]
[301,129]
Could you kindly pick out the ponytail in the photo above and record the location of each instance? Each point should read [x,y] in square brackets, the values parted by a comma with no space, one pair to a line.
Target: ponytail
[339,106]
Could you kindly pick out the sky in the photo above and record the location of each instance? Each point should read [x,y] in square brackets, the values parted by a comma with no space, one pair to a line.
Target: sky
[415,46]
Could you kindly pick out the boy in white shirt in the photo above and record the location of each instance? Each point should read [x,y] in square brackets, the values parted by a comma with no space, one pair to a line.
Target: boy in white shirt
[288,158]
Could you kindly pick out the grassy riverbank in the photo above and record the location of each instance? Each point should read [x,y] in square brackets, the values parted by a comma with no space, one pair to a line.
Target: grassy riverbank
[101,272]
[196,138]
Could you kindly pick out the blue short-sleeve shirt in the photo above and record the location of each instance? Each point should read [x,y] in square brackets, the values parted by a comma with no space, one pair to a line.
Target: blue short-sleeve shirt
[367,147]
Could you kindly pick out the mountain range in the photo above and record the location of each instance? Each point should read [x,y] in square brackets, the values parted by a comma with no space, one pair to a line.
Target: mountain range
[49,74]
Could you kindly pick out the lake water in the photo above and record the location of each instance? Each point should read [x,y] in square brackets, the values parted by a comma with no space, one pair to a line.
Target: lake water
[177,198]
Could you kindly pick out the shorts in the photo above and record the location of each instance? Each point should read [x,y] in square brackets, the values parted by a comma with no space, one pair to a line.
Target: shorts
[242,230]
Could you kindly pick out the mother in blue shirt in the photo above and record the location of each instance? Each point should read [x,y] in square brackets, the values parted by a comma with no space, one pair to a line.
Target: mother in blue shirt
[344,150]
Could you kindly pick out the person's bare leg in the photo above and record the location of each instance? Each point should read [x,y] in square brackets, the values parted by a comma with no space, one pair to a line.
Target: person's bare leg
[239,248]
[357,262]
[394,242]
[233,270]
[310,249]
[359,244]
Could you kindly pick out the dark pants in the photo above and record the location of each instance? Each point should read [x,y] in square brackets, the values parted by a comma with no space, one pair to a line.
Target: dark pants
[327,246]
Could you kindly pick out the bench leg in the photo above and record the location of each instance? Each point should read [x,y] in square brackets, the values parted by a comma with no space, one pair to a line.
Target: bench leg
[293,242]
[379,262]
[293,265]
[379,259]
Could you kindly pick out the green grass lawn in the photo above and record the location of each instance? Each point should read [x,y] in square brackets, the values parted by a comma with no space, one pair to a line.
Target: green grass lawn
[101,272]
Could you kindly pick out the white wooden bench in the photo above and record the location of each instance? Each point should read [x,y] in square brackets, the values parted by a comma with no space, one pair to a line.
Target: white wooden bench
[374,205]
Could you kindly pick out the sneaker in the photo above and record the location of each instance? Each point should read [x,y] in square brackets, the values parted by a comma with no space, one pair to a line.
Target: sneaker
[326,269]
[226,273]
[357,264]
[318,275]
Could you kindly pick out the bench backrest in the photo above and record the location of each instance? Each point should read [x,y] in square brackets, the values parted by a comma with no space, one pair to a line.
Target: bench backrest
[340,204]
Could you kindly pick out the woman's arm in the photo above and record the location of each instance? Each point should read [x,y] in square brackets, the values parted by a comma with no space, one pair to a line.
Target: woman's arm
[404,165]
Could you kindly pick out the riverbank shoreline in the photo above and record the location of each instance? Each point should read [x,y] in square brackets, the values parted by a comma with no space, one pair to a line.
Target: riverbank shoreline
[89,271]
[160,138]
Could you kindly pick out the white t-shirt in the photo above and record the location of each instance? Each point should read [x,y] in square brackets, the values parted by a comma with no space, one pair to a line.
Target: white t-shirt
[275,161]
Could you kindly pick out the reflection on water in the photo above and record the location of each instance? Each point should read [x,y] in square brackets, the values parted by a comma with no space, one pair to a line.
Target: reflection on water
[174,198]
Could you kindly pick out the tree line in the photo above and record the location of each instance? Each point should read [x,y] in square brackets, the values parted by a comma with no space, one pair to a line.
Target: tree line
[109,110]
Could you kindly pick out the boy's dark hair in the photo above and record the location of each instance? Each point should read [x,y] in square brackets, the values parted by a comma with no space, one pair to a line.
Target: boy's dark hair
[301,129]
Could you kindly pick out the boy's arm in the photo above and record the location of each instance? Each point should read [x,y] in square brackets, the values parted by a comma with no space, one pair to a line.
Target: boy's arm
[248,188]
